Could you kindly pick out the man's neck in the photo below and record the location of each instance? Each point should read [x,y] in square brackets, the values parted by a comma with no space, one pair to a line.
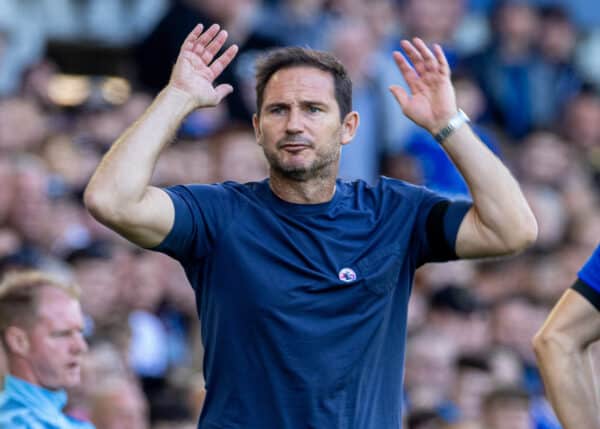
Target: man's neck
[313,191]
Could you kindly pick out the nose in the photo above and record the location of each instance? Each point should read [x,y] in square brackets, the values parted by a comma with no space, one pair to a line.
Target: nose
[294,122]
[79,344]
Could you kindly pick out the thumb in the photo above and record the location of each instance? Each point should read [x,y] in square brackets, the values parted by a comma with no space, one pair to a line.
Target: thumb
[223,91]
[400,95]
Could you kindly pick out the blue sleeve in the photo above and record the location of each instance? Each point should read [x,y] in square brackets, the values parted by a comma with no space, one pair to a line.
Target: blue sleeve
[202,213]
[590,272]
[588,281]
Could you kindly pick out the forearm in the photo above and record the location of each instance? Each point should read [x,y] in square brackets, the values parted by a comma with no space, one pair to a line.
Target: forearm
[124,173]
[499,205]
[569,384]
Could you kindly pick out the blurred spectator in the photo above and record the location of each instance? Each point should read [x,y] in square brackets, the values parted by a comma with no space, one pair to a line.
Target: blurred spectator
[457,313]
[555,74]
[505,68]
[118,402]
[429,369]
[95,269]
[294,22]
[41,324]
[507,408]
[474,381]
[582,120]
[237,16]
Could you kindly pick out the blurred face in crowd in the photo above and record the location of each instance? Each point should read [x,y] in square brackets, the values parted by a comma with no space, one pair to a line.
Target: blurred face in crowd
[429,363]
[433,20]
[508,413]
[518,25]
[545,159]
[239,158]
[101,288]
[21,111]
[558,39]
[299,125]
[119,404]
[471,386]
[31,209]
[582,120]
[54,345]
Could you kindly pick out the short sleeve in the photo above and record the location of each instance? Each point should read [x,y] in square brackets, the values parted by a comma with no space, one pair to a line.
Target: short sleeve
[588,282]
[590,272]
[202,213]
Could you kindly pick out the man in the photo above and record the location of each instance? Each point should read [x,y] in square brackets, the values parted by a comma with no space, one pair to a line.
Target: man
[303,281]
[562,350]
[41,326]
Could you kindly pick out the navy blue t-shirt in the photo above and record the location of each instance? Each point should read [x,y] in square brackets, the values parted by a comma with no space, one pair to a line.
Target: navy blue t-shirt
[303,306]
[588,279]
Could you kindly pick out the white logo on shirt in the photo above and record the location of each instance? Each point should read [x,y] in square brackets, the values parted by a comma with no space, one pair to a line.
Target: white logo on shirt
[347,275]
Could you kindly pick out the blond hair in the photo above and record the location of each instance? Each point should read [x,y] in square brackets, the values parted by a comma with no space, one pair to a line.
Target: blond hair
[19,293]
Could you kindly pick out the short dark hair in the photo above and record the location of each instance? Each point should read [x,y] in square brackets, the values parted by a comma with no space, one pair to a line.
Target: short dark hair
[288,57]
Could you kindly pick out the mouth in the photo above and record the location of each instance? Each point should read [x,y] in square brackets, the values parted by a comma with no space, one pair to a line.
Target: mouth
[294,144]
[73,366]
[294,147]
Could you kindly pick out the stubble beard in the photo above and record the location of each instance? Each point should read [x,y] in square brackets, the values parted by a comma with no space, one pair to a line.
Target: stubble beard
[321,168]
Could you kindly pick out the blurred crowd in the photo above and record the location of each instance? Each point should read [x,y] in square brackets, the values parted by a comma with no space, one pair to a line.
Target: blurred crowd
[74,74]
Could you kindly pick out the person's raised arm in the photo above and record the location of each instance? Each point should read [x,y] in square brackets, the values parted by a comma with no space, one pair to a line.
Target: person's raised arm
[561,348]
[500,220]
[119,194]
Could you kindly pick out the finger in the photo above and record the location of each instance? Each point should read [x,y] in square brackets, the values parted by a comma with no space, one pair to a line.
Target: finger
[191,38]
[400,95]
[214,46]
[408,73]
[441,58]
[223,61]
[429,60]
[223,91]
[415,57]
[207,36]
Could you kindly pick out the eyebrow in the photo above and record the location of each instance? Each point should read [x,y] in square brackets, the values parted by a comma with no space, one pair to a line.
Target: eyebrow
[303,103]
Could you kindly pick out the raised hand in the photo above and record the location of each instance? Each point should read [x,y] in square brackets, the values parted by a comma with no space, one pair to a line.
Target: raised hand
[196,67]
[432,101]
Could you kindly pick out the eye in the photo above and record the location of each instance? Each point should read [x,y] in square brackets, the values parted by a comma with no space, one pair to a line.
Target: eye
[276,110]
[314,109]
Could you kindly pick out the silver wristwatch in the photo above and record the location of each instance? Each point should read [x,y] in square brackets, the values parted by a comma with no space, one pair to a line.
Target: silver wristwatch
[455,122]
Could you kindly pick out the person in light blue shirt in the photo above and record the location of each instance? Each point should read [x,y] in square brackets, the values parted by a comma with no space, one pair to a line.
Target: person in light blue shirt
[41,325]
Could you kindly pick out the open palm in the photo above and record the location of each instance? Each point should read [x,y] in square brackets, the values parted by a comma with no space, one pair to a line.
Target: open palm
[432,101]
[196,67]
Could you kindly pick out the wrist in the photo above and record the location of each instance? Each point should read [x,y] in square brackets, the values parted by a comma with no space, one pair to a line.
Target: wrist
[455,122]
[179,98]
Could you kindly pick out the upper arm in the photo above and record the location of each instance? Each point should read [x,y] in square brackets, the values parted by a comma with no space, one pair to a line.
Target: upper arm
[574,320]
[145,223]
[476,240]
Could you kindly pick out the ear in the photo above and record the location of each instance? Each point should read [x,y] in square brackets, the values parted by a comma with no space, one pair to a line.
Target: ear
[256,125]
[349,127]
[17,340]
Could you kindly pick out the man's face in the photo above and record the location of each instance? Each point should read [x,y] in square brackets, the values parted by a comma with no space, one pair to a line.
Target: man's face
[299,125]
[56,343]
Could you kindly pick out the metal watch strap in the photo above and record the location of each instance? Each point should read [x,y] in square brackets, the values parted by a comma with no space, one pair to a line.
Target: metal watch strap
[455,122]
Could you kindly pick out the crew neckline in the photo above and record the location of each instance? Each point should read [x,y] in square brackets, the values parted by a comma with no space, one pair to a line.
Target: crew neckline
[299,208]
